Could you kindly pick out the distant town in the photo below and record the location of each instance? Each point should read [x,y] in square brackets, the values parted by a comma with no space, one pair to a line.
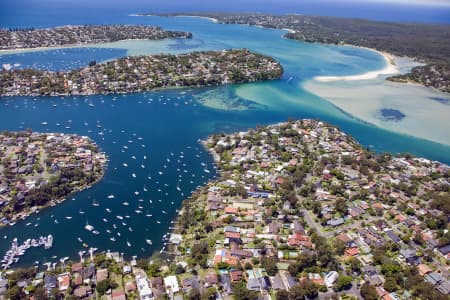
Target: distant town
[41,169]
[144,73]
[73,35]
[427,43]
[300,211]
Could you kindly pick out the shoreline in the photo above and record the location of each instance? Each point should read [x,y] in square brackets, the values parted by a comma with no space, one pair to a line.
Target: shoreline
[56,201]
[390,68]
[74,46]
[200,17]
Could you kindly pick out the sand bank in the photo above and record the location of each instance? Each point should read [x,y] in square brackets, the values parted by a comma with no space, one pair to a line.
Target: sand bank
[390,68]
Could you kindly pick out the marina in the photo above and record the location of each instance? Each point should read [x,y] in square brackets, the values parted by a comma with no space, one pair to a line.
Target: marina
[16,250]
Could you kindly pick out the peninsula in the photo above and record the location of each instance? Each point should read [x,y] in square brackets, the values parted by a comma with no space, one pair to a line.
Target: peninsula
[300,211]
[73,35]
[144,73]
[427,43]
[40,169]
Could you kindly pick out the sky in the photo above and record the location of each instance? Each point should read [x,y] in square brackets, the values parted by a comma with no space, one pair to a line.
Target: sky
[410,2]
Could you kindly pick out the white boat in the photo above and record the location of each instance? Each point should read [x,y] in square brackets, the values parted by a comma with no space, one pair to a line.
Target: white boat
[128,244]
[113,239]
[95,232]
[149,242]
[111,196]
[125,165]
[105,220]
[108,210]
[119,217]
[94,203]
[136,193]
[126,203]
[68,217]
[80,240]
[206,170]
[134,175]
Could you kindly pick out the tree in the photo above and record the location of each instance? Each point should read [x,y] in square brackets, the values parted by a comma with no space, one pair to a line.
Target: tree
[368,292]
[341,206]
[142,263]
[270,265]
[194,294]
[105,285]
[343,283]
[390,285]
[306,289]
[39,293]
[241,292]
[13,293]
[282,295]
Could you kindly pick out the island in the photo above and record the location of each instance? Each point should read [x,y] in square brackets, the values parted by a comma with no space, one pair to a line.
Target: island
[427,43]
[144,73]
[299,210]
[41,169]
[73,35]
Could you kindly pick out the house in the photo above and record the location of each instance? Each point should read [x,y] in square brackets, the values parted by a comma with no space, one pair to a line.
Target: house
[287,279]
[236,275]
[63,281]
[434,278]
[50,282]
[393,236]
[335,222]
[81,292]
[330,278]
[145,292]
[3,286]
[225,282]
[118,295]
[102,274]
[171,284]
[410,256]
[445,251]
[423,269]
[211,278]
[352,251]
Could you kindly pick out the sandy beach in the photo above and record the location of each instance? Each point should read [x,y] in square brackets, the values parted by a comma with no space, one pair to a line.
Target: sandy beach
[366,95]
[389,69]
[200,17]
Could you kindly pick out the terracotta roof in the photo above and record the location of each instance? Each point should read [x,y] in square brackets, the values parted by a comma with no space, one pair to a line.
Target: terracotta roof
[351,251]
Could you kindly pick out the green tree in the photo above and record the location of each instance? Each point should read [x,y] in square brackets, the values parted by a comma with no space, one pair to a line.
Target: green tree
[343,283]
[240,292]
[105,285]
[270,265]
[282,295]
[368,292]
[13,293]
[390,285]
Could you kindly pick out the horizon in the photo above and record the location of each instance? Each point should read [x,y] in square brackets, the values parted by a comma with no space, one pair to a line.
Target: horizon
[436,11]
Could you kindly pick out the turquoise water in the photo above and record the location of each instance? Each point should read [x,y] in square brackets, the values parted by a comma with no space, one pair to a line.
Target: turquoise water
[165,127]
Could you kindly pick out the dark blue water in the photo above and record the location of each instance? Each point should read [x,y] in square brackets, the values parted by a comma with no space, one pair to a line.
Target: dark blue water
[24,13]
[165,126]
